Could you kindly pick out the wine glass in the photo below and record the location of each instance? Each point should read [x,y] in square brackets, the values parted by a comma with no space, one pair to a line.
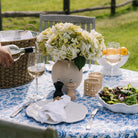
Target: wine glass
[36,68]
[89,65]
[49,63]
[112,55]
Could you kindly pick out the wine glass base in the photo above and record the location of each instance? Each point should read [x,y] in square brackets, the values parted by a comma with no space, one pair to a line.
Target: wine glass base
[36,98]
[109,72]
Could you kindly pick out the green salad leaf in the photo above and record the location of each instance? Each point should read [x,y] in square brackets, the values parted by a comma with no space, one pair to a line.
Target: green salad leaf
[127,95]
[130,100]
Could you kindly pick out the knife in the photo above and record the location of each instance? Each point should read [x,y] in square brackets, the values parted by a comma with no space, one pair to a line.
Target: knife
[88,127]
[20,109]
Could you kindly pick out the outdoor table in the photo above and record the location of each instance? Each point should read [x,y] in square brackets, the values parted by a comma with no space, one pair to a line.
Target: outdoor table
[105,124]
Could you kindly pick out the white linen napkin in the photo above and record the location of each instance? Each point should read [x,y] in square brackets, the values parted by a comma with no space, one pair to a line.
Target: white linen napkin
[54,111]
[26,35]
[1,37]
[14,36]
[133,82]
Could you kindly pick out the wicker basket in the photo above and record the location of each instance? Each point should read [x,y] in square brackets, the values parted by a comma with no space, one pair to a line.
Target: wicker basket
[17,73]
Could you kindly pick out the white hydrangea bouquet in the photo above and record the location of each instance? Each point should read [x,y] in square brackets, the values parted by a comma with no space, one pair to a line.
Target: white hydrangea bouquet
[71,42]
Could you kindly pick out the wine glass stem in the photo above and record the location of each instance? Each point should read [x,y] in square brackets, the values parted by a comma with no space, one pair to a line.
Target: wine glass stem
[111,70]
[89,66]
[36,86]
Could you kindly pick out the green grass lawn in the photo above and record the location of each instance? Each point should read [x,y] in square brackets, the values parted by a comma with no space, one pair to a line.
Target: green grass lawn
[123,27]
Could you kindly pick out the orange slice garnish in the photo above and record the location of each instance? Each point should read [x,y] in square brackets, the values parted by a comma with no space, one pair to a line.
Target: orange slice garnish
[104,52]
[110,51]
[123,51]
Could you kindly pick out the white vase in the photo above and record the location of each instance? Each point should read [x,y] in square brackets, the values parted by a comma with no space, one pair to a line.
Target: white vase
[65,71]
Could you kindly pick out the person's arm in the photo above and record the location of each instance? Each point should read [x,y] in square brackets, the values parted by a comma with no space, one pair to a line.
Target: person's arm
[5,58]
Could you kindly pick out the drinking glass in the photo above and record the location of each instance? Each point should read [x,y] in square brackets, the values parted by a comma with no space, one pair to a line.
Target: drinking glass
[112,55]
[36,68]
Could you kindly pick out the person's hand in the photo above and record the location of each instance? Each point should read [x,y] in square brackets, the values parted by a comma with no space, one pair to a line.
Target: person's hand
[5,58]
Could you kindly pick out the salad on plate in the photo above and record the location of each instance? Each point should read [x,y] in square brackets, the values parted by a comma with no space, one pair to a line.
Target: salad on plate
[127,95]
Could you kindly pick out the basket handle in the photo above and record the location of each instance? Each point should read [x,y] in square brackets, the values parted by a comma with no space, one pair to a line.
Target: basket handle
[31,26]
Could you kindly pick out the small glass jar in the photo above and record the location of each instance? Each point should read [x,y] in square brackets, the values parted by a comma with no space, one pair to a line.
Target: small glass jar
[93,84]
[98,76]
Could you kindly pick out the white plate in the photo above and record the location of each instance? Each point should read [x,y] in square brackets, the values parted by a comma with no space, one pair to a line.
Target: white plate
[74,111]
[119,107]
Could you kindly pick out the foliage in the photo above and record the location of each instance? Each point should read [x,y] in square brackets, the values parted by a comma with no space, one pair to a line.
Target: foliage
[121,28]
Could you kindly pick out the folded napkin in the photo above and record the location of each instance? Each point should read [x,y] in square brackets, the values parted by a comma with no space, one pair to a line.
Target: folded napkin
[133,82]
[1,37]
[26,35]
[54,111]
[14,36]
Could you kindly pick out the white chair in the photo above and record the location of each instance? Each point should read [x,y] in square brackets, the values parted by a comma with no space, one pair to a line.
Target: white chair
[48,20]
[10,129]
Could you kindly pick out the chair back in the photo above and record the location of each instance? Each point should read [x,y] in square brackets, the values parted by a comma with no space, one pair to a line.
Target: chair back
[10,129]
[86,23]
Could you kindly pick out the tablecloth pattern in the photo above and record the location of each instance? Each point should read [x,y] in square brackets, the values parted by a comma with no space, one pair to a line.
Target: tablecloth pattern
[105,124]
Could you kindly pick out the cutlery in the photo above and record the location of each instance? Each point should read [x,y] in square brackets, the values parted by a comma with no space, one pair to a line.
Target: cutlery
[20,109]
[88,127]
[26,104]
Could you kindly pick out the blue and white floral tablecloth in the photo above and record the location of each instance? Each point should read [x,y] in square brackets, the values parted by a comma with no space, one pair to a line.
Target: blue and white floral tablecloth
[105,123]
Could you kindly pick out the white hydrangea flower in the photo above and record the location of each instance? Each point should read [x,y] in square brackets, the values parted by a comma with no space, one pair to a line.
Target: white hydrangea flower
[67,41]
